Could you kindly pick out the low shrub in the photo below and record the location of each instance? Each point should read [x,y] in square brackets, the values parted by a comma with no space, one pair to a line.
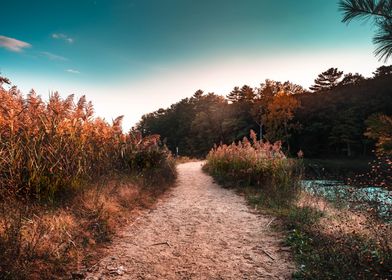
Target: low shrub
[155,166]
[304,216]
[260,165]
[343,256]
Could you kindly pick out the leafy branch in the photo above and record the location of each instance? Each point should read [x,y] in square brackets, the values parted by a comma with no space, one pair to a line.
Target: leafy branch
[378,10]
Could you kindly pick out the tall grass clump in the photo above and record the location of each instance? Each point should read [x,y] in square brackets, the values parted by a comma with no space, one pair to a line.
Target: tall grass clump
[54,146]
[67,181]
[153,164]
[263,166]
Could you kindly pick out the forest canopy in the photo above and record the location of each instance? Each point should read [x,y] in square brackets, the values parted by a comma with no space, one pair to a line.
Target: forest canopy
[330,120]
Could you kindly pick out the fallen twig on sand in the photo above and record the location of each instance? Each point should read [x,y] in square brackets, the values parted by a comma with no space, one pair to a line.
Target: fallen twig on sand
[268,254]
[91,268]
[161,243]
[269,223]
[134,222]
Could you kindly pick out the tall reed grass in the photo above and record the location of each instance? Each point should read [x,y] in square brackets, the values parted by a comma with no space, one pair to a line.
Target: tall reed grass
[255,164]
[57,151]
[54,146]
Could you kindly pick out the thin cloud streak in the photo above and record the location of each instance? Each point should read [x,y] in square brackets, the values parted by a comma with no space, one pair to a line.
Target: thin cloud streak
[52,56]
[12,44]
[64,37]
[73,71]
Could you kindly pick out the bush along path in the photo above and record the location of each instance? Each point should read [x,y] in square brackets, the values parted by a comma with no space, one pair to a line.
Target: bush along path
[198,231]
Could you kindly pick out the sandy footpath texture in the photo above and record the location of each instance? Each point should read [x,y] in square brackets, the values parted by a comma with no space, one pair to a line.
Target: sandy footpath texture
[199,231]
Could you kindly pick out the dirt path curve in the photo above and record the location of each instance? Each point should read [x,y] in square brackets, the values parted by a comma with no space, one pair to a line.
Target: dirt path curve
[200,231]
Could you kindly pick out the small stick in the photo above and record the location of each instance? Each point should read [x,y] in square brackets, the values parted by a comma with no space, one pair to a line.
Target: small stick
[161,243]
[268,254]
[268,224]
[134,222]
[93,266]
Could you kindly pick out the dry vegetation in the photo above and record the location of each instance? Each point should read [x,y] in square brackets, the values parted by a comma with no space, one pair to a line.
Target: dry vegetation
[328,242]
[49,147]
[40,241]
[337,243]
[66,181]
[260,165]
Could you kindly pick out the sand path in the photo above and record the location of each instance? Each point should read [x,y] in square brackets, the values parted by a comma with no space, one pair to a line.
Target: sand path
[198,231]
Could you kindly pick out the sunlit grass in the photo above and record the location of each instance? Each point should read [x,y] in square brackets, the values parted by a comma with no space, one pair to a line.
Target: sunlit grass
[50,147]
[58,197]
[260,165]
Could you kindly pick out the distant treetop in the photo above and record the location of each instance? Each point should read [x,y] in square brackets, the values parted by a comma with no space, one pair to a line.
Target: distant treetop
[383,71]
[327,80]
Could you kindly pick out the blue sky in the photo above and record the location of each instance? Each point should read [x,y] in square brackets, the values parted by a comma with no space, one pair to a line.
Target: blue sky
[132,57]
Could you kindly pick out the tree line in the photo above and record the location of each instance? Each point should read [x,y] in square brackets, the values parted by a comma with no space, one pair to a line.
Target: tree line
[341,115]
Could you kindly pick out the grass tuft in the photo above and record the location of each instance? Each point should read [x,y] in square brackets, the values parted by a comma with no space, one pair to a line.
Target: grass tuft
[262,166]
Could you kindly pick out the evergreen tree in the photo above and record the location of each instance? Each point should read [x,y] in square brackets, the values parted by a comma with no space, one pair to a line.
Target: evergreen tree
[247,94]
[198,94]
[234,95]
[383,71]
[351,79]
[327,80]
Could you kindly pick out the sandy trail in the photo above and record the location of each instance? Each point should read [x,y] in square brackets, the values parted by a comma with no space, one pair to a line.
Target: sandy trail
[199,231]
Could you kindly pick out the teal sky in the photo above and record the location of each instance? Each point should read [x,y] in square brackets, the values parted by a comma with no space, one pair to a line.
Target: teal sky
[132,57]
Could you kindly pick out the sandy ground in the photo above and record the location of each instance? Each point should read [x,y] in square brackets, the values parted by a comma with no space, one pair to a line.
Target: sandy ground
[199,231]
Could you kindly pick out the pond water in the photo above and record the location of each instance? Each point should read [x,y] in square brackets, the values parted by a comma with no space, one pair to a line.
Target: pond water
[356,198]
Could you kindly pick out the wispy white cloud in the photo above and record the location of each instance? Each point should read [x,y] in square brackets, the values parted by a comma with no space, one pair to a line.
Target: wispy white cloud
[52,56]
[12,44]
[73,71]
[64,37]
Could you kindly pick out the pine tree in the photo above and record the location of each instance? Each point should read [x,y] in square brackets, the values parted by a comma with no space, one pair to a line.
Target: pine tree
[327,80]
[383,71]
[234,95]
[351,79]
[198,94]
[247,93]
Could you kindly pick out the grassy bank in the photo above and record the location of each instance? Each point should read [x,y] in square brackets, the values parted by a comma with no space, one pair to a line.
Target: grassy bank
[327,242]
[330,242]
[42,241]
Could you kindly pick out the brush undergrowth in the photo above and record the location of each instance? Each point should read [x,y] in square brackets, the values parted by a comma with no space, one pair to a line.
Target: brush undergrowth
[335,247]
[62,185]
[331,243]
[260,165]
[327,244]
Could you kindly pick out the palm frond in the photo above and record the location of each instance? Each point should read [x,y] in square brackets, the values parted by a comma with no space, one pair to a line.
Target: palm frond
[381,13]
[365,9]
[383,40]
